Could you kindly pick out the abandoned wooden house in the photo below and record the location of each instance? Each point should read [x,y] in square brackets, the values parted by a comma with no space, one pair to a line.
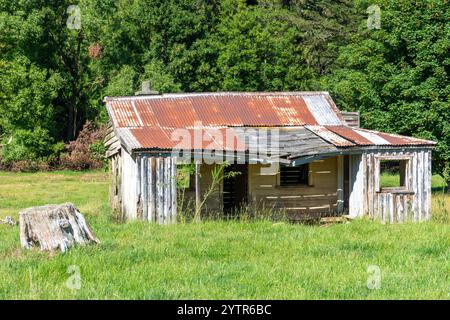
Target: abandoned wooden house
[310,158]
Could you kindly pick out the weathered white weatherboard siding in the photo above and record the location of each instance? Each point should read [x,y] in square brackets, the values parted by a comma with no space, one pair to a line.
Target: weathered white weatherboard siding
[149,188]
[128,186]
[409,203]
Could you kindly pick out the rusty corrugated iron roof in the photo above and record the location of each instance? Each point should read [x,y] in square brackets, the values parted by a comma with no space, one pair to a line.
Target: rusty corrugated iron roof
[183,139]
[224,109]
[330,136]
[153,122]
[350,134]
[364,137]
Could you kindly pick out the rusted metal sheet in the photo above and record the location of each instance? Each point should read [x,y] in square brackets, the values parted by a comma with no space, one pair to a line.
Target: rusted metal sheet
[330,136]
[170,113]
[351,135]
[372,137]
[363,137]
[124,114]
[182,138]
[151,120]
[395,139]
[152,138]
[292,111]
[219,109]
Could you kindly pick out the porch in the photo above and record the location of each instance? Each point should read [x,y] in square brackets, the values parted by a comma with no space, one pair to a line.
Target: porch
[308,187]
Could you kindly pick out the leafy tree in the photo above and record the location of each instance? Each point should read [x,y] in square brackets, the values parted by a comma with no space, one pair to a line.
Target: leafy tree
[160,78]
[260,49]
[53,78]
[398,76]
[325,26]
[122,82]
[45,66]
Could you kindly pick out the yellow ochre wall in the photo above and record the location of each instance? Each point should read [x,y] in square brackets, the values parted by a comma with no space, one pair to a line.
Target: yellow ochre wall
[264,191]
[320,195]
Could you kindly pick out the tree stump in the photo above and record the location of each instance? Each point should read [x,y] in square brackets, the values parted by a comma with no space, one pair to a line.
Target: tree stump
[54,227]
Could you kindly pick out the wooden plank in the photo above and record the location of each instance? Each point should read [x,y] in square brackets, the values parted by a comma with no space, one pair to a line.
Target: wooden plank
[351,118]
[174,189]
[113,146]
[167,200]
[340,184]
[390,197]
[428,214]
[159,190]
[109,141]
[144,187]
[119,181]
[370,194]
[138,200]
[110,133]
[197,186]
[152,189]
[377,174]
[420,185]
[109,153]
[385,207]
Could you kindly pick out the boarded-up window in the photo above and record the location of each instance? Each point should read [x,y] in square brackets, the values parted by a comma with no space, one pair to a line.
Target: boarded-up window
[292,176]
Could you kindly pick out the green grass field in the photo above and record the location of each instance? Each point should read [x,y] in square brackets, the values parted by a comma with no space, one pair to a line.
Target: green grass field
[218,260]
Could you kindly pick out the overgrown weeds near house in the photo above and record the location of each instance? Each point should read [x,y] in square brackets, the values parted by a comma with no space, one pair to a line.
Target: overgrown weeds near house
[441,207]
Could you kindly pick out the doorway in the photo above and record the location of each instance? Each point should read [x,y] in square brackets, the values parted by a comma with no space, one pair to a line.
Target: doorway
[235,189]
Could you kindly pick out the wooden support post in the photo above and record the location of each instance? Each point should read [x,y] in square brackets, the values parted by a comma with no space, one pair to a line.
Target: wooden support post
[113,182]
[152,189]
[159,190]
[138,200]
[144,187]
[340,184]
[167,202]
[197,188]
[174,189]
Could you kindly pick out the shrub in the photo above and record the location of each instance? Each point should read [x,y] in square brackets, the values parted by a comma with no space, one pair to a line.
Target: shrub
[27,145]
[87,151]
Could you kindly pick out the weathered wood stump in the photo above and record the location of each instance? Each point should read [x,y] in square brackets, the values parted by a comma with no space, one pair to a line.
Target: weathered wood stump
[54,227]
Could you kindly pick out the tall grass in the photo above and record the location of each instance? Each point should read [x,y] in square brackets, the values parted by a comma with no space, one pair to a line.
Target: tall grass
[218,259]
[441,207]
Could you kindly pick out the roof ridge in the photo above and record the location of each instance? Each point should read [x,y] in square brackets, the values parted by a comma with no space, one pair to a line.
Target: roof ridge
[218,93]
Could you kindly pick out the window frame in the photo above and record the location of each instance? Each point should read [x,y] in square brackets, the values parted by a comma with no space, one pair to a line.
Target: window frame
[407,174]
[307,183]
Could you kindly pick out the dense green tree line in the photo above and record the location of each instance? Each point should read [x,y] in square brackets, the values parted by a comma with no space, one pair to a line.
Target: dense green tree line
[53,77]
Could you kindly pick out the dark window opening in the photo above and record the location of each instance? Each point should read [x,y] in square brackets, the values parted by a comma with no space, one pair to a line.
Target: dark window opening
[393,173]
[292,176]
[235,189]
